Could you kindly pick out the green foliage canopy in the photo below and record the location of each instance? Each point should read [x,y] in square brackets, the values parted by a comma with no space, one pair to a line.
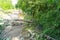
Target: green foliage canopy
[5,4]
[45,12]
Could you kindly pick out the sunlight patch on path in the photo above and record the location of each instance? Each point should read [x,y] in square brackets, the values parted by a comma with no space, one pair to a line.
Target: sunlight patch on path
[15,14]
[15,38]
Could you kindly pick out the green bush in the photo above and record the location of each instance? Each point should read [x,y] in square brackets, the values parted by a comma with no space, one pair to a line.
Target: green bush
[44,12]
[5,4]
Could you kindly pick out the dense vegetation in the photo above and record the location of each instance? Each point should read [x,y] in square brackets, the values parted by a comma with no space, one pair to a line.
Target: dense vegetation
[45,15]
[5,4]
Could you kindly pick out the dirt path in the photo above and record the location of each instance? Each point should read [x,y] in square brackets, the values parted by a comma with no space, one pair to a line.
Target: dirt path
[12,31]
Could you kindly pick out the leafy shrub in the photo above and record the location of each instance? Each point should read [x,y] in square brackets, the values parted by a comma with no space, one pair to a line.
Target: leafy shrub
[5,4]
[44,12]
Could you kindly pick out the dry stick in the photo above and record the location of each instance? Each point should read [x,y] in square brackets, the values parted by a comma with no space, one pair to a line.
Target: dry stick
[48,37]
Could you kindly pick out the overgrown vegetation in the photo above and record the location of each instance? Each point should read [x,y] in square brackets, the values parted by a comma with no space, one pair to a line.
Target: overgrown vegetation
[45,13]
[5,4]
